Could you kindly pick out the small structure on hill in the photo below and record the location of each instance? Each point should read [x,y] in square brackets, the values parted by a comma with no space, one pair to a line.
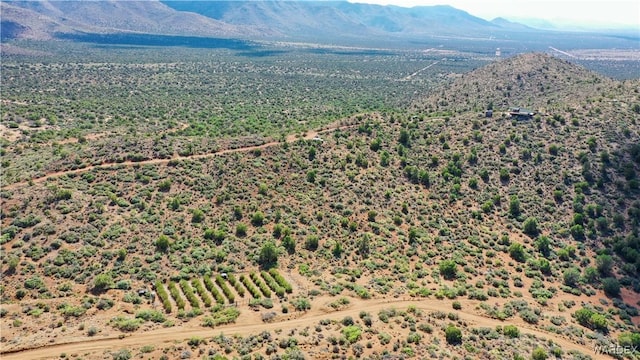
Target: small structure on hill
[521,113]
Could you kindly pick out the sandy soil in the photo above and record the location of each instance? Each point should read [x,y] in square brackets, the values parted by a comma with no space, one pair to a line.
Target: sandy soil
[251,325]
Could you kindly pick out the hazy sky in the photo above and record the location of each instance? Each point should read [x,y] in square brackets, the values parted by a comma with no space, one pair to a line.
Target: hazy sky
[596,13]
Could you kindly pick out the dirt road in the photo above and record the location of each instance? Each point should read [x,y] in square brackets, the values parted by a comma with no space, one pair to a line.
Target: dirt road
[291,138]
[165,336]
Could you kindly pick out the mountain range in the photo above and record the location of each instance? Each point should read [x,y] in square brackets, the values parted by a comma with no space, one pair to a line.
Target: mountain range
[324,21]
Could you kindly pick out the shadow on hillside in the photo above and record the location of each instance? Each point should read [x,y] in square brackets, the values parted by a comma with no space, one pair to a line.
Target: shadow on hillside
[159,40]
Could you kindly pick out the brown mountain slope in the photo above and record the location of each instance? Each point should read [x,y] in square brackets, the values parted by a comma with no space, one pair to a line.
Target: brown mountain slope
[44,19]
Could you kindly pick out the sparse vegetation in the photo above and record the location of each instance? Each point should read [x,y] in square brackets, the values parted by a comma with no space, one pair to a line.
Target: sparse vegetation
[367,196]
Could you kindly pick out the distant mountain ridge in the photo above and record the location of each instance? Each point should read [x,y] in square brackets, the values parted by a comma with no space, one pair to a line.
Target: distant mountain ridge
[292,20]
[186,23]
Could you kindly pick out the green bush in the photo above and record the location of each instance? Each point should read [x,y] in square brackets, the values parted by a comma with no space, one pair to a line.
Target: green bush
[448,269]
[126,324]
[103,282]
[517,253]
[234,282]
[268,256]
[352,333]
[188,292]
[530,226]
[511,331]
[163,243]
[151,315]
[539,354]
[453,335]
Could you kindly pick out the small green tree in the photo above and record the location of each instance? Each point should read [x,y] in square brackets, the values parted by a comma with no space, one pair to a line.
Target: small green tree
[404,137]
[543,244]
[611,286]
[257,219]
[514,206]
[517,253]
[571,277]
[268,256]
[453,335]
[530,226]
[448,269]
[241,230]
[289,244]
[197,216]
[311,243]
[163,243]
[604,263]
[103,282]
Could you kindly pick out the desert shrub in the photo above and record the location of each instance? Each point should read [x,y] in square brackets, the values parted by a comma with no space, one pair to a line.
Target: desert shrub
[122,354]
[352,333]
[197,216]
[151,315]
[517,252]
[453,335]
[611,286]
[591,319]
[257,219]
[539,354]
[241,230]
[221,316]
[103,282]
[123,323]
[448,269]
[163,243]
[604,263]
[311,243]
[571,276]
[511,331]
[289,244]
[514,206]
[217,236]
[268,256]
[529,316]
[629,339]
[301,304]
[530,226]
[164,185]
[68,310]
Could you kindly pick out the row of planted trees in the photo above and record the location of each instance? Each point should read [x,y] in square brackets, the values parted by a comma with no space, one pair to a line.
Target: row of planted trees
[221,289]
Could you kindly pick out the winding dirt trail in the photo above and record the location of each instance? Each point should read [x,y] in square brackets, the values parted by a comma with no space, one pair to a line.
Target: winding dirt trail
[166,336]
[291,138]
